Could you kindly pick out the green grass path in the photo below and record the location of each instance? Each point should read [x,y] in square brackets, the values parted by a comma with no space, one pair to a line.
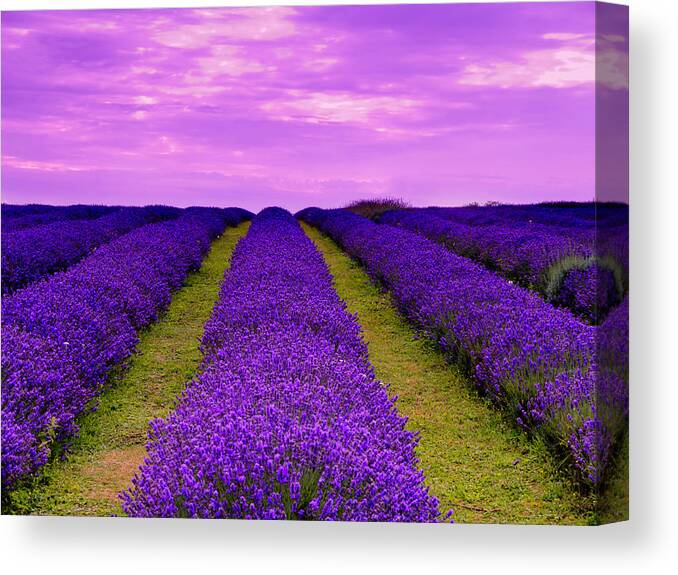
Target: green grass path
[110,447]
[614,501]
[475,461]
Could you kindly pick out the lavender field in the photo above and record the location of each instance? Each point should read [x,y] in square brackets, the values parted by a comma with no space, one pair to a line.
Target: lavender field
[378,362]
[322,263]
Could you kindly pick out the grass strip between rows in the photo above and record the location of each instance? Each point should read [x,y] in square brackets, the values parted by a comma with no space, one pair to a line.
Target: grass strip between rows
[111,444]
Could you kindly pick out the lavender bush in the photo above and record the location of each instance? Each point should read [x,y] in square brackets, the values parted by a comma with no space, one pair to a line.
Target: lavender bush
[287,420]
[62,335]
[590,292]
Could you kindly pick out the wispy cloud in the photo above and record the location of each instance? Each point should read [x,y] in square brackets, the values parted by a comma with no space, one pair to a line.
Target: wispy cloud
[339,107]
[570,64]
[14,162]
[577,60]
[226,25]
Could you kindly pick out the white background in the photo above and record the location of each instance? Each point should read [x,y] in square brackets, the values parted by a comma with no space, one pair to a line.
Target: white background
[645,544]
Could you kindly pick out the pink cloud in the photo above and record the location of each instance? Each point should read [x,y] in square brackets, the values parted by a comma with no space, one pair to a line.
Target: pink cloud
[258,24]
[227,60]
[579,60]
[14,162]
[612,62]
[319,107]
[565,67]
[565,36]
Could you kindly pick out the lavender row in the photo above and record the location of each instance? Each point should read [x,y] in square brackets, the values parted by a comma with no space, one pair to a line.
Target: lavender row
[12,211]
[16,218]
[565,265]
[8,211]
[539,361]
[35,253]
[603,224]
[61,336]
[287,421]
[572,215]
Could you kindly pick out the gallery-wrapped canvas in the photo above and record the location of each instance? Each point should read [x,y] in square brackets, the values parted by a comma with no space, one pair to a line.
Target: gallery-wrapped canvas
[346,263]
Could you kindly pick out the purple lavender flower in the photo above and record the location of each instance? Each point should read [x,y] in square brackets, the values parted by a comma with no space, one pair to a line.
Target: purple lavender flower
[590,292]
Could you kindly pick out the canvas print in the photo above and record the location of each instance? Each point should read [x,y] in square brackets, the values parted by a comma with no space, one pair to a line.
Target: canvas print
[346,263]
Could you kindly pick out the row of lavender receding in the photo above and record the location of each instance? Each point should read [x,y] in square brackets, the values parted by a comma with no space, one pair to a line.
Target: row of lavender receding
[21,217]
[582,215]
[603,226]
[37,252]
[561,378]
[287,420]
[583,268]
[14,211]
[61,336]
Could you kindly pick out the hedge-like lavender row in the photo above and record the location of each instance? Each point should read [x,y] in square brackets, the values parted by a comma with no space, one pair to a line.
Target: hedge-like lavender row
[35,253]
[560,263]
[15,219]
[538,360]
[287,421]
[522,253]
[20,210]
[62,335]
[12,211]
[573,215]
[608,221]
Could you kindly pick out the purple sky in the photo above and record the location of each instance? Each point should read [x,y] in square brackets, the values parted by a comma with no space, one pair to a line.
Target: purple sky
[438,104]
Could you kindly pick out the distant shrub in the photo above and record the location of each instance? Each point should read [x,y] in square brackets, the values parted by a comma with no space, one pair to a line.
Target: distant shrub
[374,208]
